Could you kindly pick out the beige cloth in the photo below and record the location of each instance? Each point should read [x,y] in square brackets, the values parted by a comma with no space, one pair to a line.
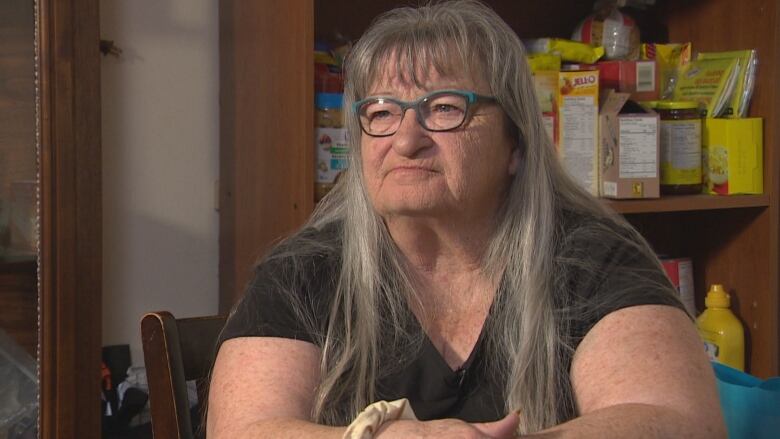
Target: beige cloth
[372,417]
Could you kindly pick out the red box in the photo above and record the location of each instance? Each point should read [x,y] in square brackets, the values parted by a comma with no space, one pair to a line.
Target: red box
[680,272]
[640,78]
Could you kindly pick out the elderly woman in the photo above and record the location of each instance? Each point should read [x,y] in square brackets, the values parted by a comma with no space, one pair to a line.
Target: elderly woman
[457,266]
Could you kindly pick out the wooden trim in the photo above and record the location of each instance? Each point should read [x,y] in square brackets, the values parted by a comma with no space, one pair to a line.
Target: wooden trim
[70,221]
[267,156]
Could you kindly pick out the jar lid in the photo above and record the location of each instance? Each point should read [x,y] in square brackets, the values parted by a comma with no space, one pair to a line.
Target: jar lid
[651,105]
[677,105]
[328,100]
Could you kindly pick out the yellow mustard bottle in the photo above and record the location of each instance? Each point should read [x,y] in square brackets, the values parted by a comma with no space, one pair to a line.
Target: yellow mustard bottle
[721,330]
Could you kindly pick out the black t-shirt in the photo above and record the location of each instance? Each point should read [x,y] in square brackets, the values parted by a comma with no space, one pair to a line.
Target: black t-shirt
[600,271]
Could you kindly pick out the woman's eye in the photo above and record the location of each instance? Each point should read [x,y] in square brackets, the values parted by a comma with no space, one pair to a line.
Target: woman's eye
[379,115]
[445,108]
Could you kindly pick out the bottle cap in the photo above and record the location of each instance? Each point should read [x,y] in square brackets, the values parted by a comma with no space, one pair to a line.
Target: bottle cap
[717,297]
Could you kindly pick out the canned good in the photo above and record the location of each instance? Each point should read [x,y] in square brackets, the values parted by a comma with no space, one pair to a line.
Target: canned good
[681,159]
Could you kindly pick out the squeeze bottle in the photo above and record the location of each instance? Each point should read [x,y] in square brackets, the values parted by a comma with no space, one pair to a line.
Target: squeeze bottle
[722,332]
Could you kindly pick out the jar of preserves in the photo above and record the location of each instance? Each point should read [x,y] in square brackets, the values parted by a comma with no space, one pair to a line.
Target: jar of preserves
[331,142]
[681,158]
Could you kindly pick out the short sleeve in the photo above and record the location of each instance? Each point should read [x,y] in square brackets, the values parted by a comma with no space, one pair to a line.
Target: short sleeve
[284,299]
[607,268]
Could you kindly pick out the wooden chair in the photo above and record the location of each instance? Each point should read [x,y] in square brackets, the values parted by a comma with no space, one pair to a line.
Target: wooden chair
[176,351]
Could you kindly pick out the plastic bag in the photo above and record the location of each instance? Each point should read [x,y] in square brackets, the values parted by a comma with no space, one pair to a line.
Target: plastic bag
[612,29]
[569,51]
[751,406]
[710,82]
[747,62]
[669,58]
[18,389]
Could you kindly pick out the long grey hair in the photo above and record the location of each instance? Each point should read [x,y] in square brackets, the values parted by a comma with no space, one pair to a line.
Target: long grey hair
[366,330]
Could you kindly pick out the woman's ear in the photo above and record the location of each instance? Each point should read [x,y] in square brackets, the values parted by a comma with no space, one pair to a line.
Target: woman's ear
[517,153]
[514,160]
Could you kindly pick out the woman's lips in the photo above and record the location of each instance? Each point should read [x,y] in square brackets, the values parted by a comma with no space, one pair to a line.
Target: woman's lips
[410,172]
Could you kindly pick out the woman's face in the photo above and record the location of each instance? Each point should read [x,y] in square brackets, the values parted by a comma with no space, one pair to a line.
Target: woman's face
[462,173]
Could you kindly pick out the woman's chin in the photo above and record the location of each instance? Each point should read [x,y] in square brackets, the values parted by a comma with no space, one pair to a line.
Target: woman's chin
[414,206]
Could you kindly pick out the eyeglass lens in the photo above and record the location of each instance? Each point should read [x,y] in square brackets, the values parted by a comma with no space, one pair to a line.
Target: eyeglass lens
[439,112]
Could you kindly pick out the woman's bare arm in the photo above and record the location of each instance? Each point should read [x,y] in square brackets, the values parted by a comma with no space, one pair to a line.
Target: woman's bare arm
[264,387]
[641,372]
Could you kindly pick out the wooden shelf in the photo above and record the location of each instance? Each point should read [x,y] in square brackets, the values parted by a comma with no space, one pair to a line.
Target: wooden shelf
[262,200]
[681,203]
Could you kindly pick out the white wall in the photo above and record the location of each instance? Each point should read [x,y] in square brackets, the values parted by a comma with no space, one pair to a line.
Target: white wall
[160,163]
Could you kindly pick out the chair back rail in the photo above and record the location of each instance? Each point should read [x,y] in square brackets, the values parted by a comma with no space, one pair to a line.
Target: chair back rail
[177,351]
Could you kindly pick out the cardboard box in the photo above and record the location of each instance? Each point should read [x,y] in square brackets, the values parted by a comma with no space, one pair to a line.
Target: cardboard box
[639,78]
[733,156]
[629,148]
[546,84]
[578,102]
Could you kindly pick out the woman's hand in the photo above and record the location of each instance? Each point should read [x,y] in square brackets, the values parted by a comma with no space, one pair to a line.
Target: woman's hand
[505,428]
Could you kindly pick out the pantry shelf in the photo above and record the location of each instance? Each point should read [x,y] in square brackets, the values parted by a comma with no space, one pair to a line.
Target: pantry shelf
[679,203]
[732,240]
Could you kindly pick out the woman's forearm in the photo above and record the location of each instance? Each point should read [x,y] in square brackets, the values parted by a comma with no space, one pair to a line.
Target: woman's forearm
[284,428]
[636,421]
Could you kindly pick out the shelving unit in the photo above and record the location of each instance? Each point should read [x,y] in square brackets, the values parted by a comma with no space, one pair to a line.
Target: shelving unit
[682,203]
[267,140]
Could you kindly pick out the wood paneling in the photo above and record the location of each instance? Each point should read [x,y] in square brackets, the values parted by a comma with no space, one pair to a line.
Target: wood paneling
[70,218]
[728,247]
[752,256]
[266,173]
[530,19]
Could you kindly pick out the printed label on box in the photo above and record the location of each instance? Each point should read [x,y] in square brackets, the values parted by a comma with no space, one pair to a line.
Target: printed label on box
[578,118]
[645,76]
[578,126]
[636,159]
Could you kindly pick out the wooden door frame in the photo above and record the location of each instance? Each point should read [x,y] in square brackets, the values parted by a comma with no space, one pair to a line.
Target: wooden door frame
[70,277]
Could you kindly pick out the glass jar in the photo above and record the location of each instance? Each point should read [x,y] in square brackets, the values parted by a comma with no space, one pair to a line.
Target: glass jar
[332,151]
[681,160]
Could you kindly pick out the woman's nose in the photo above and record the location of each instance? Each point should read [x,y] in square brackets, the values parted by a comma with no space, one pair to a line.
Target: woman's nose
[411,137]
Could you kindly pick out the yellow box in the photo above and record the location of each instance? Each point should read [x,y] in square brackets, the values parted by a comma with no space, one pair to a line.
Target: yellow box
[578,130]
[733,156]
[546,84]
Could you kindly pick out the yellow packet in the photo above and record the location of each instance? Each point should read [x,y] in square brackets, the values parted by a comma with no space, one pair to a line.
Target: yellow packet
[544,62]
[324,58]
[669,58]
[571,51]
[746,78]
[546,85]
[710,82]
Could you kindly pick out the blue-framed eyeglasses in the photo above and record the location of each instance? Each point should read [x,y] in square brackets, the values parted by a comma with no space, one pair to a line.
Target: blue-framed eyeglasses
[441,110]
